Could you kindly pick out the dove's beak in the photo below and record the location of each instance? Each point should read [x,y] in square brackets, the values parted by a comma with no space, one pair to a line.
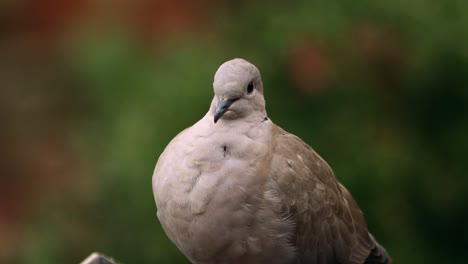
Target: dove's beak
[222,107]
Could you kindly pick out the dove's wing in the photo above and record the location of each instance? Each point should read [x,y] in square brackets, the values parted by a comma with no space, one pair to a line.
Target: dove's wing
[329,226]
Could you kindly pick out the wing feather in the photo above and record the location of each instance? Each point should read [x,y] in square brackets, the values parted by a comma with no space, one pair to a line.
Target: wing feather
[329,226]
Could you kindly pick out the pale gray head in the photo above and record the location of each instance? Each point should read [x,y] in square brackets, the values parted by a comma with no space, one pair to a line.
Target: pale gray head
[238,91]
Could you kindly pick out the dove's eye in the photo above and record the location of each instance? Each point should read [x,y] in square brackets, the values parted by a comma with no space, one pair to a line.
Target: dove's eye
[250,87]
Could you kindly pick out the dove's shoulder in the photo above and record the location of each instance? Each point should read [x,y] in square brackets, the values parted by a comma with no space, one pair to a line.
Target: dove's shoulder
[329,226]
[172,145]
[170,156]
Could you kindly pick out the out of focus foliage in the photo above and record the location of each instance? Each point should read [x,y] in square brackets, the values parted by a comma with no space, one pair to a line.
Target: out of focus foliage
[92,91]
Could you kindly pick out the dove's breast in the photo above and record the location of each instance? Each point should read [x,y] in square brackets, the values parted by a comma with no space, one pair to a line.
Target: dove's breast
[209,207]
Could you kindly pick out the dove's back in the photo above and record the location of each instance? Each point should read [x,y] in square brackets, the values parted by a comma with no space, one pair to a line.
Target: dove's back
[329,225]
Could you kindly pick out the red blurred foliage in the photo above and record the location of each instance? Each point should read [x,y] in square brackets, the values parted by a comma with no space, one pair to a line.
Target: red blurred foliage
[41,24]
[382,48]
[156,18]
[38,160]
[308,65]
[46,19]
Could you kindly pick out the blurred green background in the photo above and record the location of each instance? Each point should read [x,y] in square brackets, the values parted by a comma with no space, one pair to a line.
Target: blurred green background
[92,91]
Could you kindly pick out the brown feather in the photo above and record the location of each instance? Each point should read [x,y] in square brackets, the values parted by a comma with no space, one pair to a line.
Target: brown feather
[328,222]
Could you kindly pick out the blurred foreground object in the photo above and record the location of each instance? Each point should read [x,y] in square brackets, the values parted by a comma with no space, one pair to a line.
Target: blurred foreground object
[236,188]
[97,258]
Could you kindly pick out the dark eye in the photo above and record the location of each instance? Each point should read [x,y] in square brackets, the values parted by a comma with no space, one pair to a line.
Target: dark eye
[250,87]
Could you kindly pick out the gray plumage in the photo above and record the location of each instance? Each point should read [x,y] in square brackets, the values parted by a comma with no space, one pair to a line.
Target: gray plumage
[236,188]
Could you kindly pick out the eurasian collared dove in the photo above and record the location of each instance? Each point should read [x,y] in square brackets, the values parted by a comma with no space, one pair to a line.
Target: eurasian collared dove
[236,188]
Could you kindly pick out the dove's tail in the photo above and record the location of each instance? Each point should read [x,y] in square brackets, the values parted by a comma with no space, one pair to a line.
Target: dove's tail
[378,254]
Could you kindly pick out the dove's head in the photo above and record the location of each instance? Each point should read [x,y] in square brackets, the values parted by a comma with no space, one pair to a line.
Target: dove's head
[238,91]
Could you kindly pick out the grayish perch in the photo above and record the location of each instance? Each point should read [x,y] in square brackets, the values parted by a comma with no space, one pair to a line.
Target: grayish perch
[97,258]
